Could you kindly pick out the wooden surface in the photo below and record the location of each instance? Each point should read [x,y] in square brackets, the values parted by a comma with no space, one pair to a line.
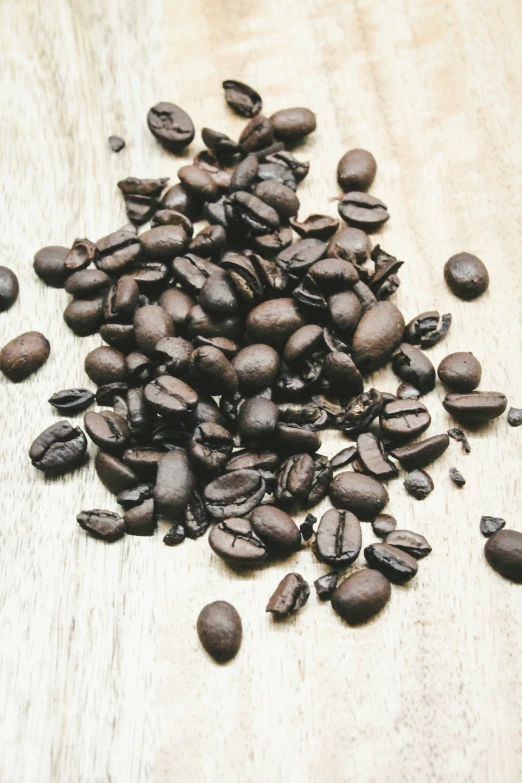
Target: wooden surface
[102,677]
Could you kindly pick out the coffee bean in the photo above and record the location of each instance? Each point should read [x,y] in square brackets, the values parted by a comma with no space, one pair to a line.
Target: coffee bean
[351,244]
[199,183]
[140,519]
[256,367]
[135,496]
[515,417]
[105,365]
[58,449]
[412,543]
[315,227]
[220,631]
[475,407]
[107,430]
[9,288]
[139,366]
[279,197]
[466,276]
[218,296]
[396,565]
[422,453]
[427,328]
[220,144]
[419,484]
[460,371]
[246,281]
[345,311]
[87,283]
[343,457]
[102,524]
[378,334]
[107,394]
[171,397]
[459,436]
[116,143]
[121,300]
[276,529]
[301,256]
[210,448]
[406,391]
[49,265]
[247,214]
[234,494]
[363,495]
[242,99]
[257,421]
[360,412]
[209,242]
[197,520]
[294,124]
[326,585]
[457,477]
[119,336]
[24,355]
[412,365]
[236,543]
[285,159]
[84,316]
[356,170]
[163,242]
[175,535]
[307,527]
[303,343]
[71,401]
[143,461]
[504,553]
[171,126]
[292,439]
[179,199]
[383,525]
[132,186]
[342,373]
[490,525]
[371,453]
[172,217]
[363,211]
[338,540]
[273,321]
[82,253]
[114,475]
[361,596]
[404,419]
[244,174]
[290,595]
[265,462]
[177,304]
[174,484]
[257,134]
[211,370]
[193,272]
[151,323]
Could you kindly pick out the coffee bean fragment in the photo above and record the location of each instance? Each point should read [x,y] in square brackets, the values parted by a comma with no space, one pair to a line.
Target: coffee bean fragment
[406,391]
[515,417]
[360,412]
[361,596]
[197,520]
[58,449]
[363,495]
[134,496]
[242,99]
[460,371]
[71,401]
[412,543]
[396,565]
[9,288]
[475,407]
[419,484]
[339,539]
[356,170]
[175,535]
[307,527]
[116,143]
[234,540]
[361,210]
[290,595]
[140,520]
[490,525]
[466,276]
[315,227]
[102,524]
[503,552]
[371,453]
[344,457]
[326,585]
[459,436]
[457,477]
[220,144]
[421,453]
[427,328]
[220,630]
[24,355]
[82,253]
[171,126]
[383,525]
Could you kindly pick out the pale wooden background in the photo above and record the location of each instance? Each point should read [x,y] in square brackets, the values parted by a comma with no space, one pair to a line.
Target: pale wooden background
[102,676]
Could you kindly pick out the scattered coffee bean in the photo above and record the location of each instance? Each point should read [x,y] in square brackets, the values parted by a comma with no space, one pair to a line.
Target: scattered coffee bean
[326,585]
[307,527]
[257,134]
[378,334]
[290,595]
[421,453]
[361,596]
[315,227]
[419,484]
[234,494]
[210,448]
[276,529]
[459,436]
[24,355]
[356,170]
[412,543]
[292,125]
[466,275]
[107,430]
[49,265]
[105,365]
[116,143]
[404,419]
[171,125]
[427,328]
[363,211]
[9,288]
[175,535]
[396,565]
[490,525]
[475,407]
[220,630]
[460,371]
[412,365]
[371,453]
[71,401]
[87,283]
[383,525]
[515,417]
[102,524]
[339,539]
[234,540]
[174,484]
[344,457]
[457,477]
[503,552]
[242,99]
[363,495]
[58,449]
[113,474]
[360,412]
[84,316]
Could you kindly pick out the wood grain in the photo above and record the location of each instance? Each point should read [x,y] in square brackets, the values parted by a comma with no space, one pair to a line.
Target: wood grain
[102,675]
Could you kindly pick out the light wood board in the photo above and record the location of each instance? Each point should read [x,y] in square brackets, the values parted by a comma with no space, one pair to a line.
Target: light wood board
[101,674]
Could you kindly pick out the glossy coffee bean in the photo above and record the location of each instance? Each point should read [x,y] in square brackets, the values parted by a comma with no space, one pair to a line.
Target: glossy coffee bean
[292,125]
[177,304]
[179,199]
[171,397]
[71,401]
[144,462]
[87,283]
[221,145]
[234,494]
[342,373]
[107,430]
[396,565]
[370,453]
[363,211]
[247,214]
[114,475]
[84,316]
[82,253]
[163,243]
[211,371]
[105,365]
[303,344]
[466,275]
[377,335]
[350,244]
[292,439]
[413,366]
[49,265]
[299,257]
[302,480]
[242,99]
[315,227]
[256,367]
[218,295]
[102,524]
[121,300]
[198,182]
[427,328]
[24,355]
[421,453]
[383,525]
[172,217]
[290,595]
[133,497]
[279,197]
[175,483]
[363,495]
[234,540]
[338,539]
[171,126]
[345,311]
[210,448]
[202,324]
[140,520]
[257,421]
[58,449]
[475,407]
[460,371]
[412,543]
[209,242]
[276,529]
[356,170]
[504,553]
[403,419]
[151,323]
[257,134]
[220,631]
[119,336]
[9,288]
[274,321]
[418,484]
[360,412]
[174,354]
[361,596]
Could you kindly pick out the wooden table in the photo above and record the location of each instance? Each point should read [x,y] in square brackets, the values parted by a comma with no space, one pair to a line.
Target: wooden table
[102,675]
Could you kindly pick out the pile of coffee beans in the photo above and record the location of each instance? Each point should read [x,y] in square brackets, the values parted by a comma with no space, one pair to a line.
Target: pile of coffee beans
[229,349]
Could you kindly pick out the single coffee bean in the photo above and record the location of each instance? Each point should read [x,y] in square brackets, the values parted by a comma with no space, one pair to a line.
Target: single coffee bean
[209,242]
[371,453]
[71,401]
[244,174]
[151,323]
[515,417]
[363,495]
[84,316]
[171,217]
[279,197]
[49,265]
[177,304]
[24,355]
[220,630]
[315,227]
[199,183]
[220,144]
[82,253]
[119,336]
[383,525]
[227,347]
[403,419]
[339,539]
[412,365]
[356,170]
[459,436]
[192,272]
[234,494]
[419,484]
[427,328]
[163,242]
[116,143]
[246,281]
[276,529]
[466,276]
[303,343]
[140,519]
[344,457]
[256,367]
[490,525]
[345,311]
[406,391]
[294,124]
[422,453]
[475,407]
[360,412]
[211,371]
[171,126]
[171,397]
[87,283]
[179,199]
[175,535]
[133,186]
[210,448]
[361,596]
[242,99]
[144,462]
[105,365]
[113,474]
[326,585]
[363,211]
[307,527]
[107,430]
[301,256]
[292,438]
[107,394]
[247,214]
[351,244]
[378,334]
[342,373]
[257,421]
[58,449]
[121,300]
[504,553]
[457,477]
[202,324]
[197,520]
[133,497]
[236,543]
[290,595]
[396,565]
[9,288]
[273,321]
[284,158]
[257,134]
[460,371]
[102,524]
[174,484]
[412,543]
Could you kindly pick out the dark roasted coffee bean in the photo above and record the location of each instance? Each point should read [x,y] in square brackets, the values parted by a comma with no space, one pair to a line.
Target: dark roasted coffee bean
[293,124]
[49,265]
[175,482]
[257,421]
[178,198]
[144,462]
[384,280]
[174,354]
[219,143]
[9,288]
[292,438]
[105,365]
[475,407]
[412,365]
[344,457]
[162,243]
[106,395]
[121,300]
[244,277]
[209,242]
[234,494]
[299,257]
[403,419]
[247,214]
[171,125]
[171,217]
[345,311]
[290,595]
[140,520]
[117,240]
[236,543]
[274,321]
[175,535]
[139,366]
[361,596]
[360,412]
[427,329]
[504,553]
[303,344]
[419,484]
[58,449]
[457,477]
[197,520]
[460,371]
[244,174]
[315,227]
[116,143]
[279,197]
[422,453]
[265,462]
[466,275]
[396,565]
[257,134]
[363,211]
[276,529]
[242,99]
[84,316]
[343,375]
[307,415]
[383,525]
[212,372]
[151,323]
[406,391]
[171,397]
[170,437]
[371,453]
[133,186]
[113,474]
[256,367]
[87,283]
[220,631]
[363,495]
[515,417]
[352,244]
[177,304]
[326,585]
[133,497]
[121,260]
[205,160]
[276,174]
[119,336]
[333,275]
[82,253]
[412,543]
[378,334]
[338,539]
[459,436]
[210,448]
[490,525]
[198,182]
[102,524]
[71,401]
[356,170]
[107,430]
[24,355]
[307,527]
[228,347]
[285,159]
